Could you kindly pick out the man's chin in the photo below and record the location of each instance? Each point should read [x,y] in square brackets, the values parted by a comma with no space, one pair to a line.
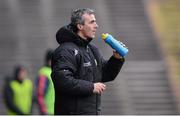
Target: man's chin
[93,36]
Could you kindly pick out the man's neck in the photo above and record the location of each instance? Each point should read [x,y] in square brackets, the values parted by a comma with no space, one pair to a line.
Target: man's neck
[81,35]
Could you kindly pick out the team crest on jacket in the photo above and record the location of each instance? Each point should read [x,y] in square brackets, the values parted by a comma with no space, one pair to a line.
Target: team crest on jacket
[95,61]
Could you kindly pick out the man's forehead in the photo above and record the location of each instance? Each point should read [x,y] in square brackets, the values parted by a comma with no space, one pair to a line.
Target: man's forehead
[89,16]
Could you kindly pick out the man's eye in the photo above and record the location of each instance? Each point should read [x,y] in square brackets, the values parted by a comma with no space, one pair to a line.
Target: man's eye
[93,21]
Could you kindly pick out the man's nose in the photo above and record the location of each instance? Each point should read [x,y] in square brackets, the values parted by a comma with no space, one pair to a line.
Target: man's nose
[96,25]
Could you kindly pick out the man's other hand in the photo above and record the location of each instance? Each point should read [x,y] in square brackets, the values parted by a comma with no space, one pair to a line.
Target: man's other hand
[99,88]
[116,55]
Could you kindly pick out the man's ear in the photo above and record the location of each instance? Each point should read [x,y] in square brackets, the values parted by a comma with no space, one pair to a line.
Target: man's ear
[79,26]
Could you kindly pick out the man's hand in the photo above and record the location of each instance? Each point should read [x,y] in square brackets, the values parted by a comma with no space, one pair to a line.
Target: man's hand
[116,55]
[99,88]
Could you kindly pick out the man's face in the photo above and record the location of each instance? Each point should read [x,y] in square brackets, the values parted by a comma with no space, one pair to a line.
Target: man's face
[90,26]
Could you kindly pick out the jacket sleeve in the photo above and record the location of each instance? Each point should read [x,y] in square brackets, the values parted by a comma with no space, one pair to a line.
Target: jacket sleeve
[43,83]
[111,68]
[8,94]
[64,69]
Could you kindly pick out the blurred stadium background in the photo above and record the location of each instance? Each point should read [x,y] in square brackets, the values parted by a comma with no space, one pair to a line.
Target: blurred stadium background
[149,82]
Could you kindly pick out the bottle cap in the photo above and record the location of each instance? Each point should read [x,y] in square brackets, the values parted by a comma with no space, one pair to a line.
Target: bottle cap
[104,36]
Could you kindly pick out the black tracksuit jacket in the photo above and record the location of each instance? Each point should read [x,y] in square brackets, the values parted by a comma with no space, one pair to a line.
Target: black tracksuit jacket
[76,66]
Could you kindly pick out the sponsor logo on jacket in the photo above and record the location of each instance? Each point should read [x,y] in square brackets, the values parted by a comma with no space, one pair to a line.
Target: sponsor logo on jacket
[86,64]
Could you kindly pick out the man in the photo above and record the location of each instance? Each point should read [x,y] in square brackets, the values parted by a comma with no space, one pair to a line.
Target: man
[45,88]
[78,69]
[18,93]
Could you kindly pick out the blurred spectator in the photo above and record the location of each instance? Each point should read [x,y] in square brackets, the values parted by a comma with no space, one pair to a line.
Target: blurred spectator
[45,88]
[18,93]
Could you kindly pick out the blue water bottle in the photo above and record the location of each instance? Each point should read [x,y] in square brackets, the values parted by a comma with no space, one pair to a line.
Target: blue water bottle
[117,45]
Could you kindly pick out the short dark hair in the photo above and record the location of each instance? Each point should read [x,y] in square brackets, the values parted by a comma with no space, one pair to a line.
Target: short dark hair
[76,15]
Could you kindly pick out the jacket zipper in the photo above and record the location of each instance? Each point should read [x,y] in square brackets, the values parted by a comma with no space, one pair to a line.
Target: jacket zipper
[94,65]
